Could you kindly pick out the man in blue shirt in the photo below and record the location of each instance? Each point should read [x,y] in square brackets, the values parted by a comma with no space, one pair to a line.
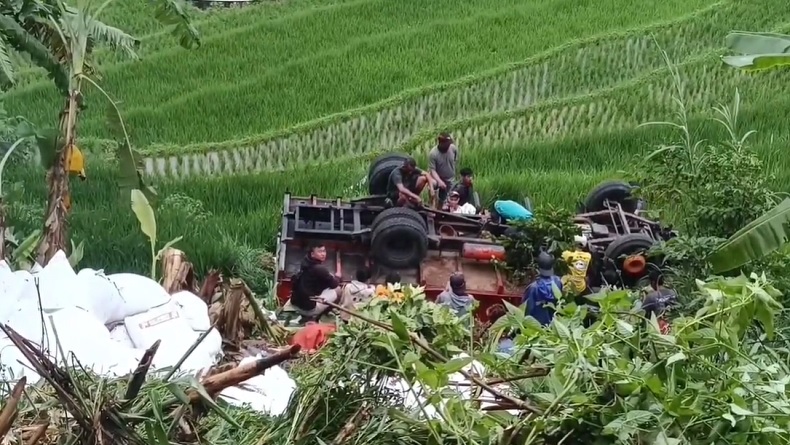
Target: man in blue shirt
[540,293]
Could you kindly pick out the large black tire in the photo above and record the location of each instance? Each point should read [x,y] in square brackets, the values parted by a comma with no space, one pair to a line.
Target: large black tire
[628,244]
[380,170]
[613,191]
[398,212]
[399,242]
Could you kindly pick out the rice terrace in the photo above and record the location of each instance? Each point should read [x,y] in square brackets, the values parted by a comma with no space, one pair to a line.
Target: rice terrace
[228,106]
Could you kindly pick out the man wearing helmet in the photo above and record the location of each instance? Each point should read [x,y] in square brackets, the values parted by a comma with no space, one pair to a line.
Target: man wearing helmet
[541,292]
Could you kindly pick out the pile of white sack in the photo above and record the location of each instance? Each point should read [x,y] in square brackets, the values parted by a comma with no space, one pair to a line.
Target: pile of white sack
[106,322]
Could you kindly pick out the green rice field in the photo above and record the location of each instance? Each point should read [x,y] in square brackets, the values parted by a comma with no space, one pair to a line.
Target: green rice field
[545,99]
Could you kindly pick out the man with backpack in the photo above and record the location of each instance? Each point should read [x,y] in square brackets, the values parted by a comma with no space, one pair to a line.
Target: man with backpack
[540,293]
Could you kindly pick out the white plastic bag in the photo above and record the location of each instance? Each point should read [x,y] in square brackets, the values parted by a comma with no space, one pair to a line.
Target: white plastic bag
[194,310]
[102,296]
[268,393]
[139,293]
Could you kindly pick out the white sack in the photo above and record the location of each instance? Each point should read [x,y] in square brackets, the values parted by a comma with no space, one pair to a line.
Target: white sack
[14,365]
[58,286]
[121,336]
[102,297]
[80,336]
[139,293]
[194,310]
[166,323]
[268,393]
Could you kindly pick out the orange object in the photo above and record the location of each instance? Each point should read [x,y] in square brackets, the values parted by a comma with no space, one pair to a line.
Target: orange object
[313,336]
[483,252]
[634,265]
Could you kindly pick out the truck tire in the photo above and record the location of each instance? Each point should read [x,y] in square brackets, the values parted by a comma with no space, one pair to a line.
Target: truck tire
[615,191]
[380,170]
[399,242]
[398,212]
[628,244]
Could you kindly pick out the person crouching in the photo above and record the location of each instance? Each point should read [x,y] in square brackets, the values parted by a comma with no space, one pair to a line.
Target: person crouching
[314,282]
[456,297]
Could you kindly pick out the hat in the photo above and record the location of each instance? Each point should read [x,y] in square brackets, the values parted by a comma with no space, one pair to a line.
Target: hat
[545,264]
[458,283]
[455,193]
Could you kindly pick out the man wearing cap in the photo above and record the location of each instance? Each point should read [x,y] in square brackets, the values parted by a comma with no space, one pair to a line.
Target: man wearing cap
[454,205]
[456,297]
[406,183]
[441,164]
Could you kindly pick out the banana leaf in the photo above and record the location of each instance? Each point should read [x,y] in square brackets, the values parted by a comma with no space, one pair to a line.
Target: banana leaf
[757,51]
[762,236]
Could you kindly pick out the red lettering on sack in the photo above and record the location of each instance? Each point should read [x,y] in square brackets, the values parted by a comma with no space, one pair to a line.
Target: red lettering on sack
[159,320]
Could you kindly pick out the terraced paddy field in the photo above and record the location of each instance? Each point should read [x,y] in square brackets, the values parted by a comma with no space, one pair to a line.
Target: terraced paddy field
[545,100]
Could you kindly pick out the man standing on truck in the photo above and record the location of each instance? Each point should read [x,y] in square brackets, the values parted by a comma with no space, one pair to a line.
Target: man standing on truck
[441,164]
[314,281]
[406,183]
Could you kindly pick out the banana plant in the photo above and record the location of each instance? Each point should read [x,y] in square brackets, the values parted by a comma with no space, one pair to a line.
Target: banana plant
[61,38]
[764,235]
[145,215]
[754,51]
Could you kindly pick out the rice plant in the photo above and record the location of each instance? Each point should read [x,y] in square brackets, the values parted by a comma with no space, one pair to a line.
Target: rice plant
[327,61]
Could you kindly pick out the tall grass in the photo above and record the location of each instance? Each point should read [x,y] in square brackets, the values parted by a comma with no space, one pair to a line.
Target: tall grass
[301,67]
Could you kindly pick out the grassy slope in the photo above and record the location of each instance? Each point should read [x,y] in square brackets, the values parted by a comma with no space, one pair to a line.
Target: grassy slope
[515,154]
[326,59]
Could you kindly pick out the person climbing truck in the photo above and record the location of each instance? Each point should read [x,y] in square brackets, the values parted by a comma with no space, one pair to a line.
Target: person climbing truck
[441,165]
[314,281]
[406,183]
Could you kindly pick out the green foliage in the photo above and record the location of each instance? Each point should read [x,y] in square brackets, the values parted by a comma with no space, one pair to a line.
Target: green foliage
[621,380]
[713,189]
[408,312]
[551,230]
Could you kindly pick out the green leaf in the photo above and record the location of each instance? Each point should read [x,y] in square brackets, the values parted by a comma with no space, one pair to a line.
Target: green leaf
[743,42]
[562,330]
[168,245]
[738,411]
[663,439]
[456,364]
[211,403]
[728,416]
[173,13]
[625,328]
[145,214]
[77,252]
[676,357]
[757,62]
[399,327]
[759,238]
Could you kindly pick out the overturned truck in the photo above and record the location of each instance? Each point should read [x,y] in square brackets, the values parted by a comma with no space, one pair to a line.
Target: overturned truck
[426,246]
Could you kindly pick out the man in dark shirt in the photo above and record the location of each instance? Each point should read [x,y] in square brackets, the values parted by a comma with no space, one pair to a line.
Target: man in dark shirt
[465,189]
[314,281]
[407,182]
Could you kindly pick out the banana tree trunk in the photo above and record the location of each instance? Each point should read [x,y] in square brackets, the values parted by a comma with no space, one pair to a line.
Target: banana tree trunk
[55,235]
